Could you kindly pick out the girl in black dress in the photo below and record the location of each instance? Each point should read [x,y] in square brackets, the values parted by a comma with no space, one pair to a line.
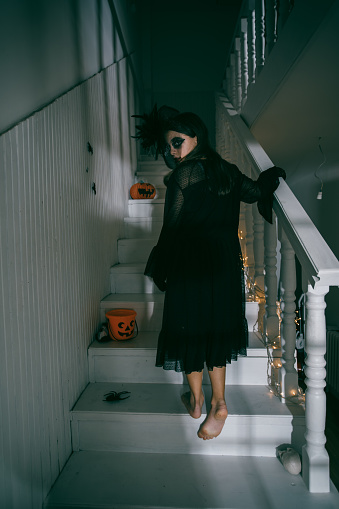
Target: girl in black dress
[197,260]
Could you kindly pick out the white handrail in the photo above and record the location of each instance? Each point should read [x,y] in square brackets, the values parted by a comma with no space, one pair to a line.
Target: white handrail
[320,265]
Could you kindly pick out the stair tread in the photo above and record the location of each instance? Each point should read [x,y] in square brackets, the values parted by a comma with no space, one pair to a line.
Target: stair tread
[150,169]
[128,268]
[146,218]
[137,240]
[156,201]
[133,298]
[164,399]
[105,479]
[147,340]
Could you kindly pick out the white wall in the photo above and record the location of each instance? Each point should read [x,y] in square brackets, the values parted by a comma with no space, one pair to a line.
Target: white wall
[58,241]
[48,47]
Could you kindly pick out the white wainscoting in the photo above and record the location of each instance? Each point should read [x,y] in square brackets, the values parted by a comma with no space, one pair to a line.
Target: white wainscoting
[58,242]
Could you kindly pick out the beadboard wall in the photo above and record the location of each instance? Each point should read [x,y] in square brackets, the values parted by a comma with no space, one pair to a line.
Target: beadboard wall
[58,241]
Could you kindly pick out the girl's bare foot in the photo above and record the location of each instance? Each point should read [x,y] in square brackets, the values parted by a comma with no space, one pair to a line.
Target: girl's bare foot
[193,407]
[214,422]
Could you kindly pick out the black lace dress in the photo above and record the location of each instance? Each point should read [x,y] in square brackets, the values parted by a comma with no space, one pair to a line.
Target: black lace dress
[198,262]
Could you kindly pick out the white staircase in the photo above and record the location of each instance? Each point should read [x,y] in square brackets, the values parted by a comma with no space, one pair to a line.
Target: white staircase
[144,451]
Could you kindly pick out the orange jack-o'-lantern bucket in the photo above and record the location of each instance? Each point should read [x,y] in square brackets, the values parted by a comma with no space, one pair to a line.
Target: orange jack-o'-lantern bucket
[121,324]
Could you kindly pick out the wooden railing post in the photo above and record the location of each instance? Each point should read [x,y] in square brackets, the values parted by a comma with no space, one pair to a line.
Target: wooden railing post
[288,373]
[271,23]
[315,461]
[258,247]
[259,35]
[237,67]
[244,60]
[251,44]
[233,80]
[229,81]
[271,321]
[249,260]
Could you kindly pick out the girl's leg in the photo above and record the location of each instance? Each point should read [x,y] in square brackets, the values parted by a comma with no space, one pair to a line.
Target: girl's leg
[215,420]
[194,399]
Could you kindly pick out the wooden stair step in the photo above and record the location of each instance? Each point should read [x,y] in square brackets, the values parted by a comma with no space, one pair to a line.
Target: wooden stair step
[134,361]
[93,479]
[153,419]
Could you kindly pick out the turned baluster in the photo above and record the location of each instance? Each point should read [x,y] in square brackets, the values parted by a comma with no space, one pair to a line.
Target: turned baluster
[271,18]
[238,91]
[227,152]
[259,35]
[233,80]
[271,321]
[232,147]
[244,60]
[228,88]
[251,44]
[249,260]
[258,247]
[315,460]
[242,229]
[288,373]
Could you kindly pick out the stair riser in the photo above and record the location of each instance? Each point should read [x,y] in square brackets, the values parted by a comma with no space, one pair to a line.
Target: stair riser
[152,167]
[139,367]
[242,435]
[132,283]
[161,192]
[149,314]
[139,209]
[135,250]
[154,178]
[144,228]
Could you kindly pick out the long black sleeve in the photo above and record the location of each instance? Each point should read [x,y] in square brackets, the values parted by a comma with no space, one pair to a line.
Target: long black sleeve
[262,190]
[158,262]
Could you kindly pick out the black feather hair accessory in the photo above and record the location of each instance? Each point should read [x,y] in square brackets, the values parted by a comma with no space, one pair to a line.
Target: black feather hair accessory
[151,131]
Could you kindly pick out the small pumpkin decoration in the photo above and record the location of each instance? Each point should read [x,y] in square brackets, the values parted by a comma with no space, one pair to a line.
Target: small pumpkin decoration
[142,191]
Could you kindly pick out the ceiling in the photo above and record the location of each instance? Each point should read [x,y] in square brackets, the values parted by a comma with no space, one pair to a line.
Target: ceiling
[190,42]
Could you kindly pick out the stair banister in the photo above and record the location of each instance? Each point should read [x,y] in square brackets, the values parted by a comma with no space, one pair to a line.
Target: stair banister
[259,26]
[320,269]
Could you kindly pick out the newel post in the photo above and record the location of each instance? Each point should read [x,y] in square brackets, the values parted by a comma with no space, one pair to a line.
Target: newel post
[315,460]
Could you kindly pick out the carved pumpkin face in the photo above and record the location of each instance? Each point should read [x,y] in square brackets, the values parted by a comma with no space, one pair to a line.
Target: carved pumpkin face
[125,329]
[121,323]
[142,191]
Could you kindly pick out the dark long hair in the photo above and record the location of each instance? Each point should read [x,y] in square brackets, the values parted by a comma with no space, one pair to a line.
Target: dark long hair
[217,170]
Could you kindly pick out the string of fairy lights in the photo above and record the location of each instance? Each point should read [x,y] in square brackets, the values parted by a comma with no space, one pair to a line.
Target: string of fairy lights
[256,294]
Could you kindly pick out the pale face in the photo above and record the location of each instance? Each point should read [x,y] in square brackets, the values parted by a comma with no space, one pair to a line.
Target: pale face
[181,144]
